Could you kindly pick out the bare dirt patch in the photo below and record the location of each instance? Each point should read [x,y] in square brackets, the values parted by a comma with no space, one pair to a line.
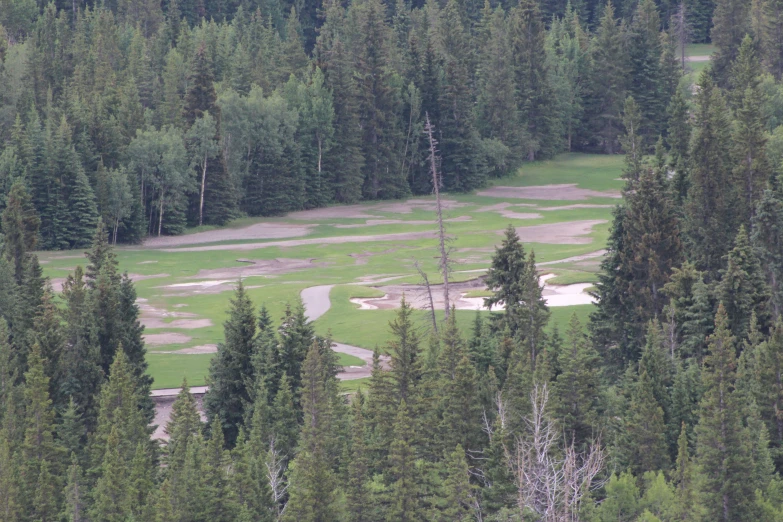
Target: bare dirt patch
[518,215]
[578,205]
[185,324]
[406,236]
[146,262]
[567,192]
[194,350]
[362,258]
[339,212]
[406,207]
[566,233]
[256,231]
[162,339]
[375,222]
[497,207]
[259,267]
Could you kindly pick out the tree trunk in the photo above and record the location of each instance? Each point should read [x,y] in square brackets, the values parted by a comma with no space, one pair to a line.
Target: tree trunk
[201,199]
[160,216]
[444,255]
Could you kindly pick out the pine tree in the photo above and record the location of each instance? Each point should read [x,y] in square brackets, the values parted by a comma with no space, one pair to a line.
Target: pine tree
[683,478]
[576,389]
[377,103]
[20,225]
[722,452]
[710,209]
[462,167]
[646,429]
[110,499]
[296,335]
[404,473]
[347,160]
[505,275]
[767,238]
[742,288]
[313,484]
[457,495]
[75,493]
[770,388]
[752,171]
[731,23]
[231,371]
[358,496]
[534,95]
[607,81]
[678,137]
[649,87]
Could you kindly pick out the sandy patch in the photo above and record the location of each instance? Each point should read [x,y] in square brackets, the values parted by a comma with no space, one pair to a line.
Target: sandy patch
[566,233]
[194,350]
[518,215]
[406,207]
[256,231]
[497,207]
[548,192]
[185,324]
[702,58]
[338,212]
[146,262]
[258,267]
[374,222]
[57,284]
[407,236]
[416,296]
[140,277]
[165,401]
[578,205]
[163,339]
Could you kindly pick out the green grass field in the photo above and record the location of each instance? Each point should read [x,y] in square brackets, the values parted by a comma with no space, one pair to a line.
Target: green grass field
[476,231]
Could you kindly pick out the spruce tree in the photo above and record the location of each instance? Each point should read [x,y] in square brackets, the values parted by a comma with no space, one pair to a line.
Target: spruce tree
[722,451]
[231,371]
[358,497]
[404,474]
[678,137]
[576,390]
[110,498]
[20,224]
[313,484]
[767,239]
[607,81]
[711,218]
[646,429]
[731,23]
[534,94]
[457,494]
[742,289]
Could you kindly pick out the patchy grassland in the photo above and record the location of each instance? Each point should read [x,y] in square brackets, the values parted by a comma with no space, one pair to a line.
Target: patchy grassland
[344,251]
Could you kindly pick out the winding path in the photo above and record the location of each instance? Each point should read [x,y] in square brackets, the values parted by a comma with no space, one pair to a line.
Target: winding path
[317,303]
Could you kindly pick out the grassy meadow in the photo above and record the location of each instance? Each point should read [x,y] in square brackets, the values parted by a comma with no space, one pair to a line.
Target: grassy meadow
[476,228]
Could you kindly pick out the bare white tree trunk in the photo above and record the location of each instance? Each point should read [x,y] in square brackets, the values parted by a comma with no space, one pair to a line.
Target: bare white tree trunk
[160,215]
[201,199]
[550,481]
[275,467]
[429,295]
[444,255]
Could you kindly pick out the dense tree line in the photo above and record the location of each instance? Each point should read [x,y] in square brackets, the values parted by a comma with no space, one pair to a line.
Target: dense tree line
[158,117]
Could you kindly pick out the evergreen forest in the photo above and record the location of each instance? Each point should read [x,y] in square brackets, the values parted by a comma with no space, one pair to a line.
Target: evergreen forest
[125,119]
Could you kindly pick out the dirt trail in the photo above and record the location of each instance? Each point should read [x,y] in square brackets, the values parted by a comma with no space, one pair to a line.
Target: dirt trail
[702,58]
[406,236]
[256,231]
[567,192]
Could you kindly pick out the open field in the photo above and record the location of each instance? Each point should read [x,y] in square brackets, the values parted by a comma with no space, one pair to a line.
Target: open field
[561,208]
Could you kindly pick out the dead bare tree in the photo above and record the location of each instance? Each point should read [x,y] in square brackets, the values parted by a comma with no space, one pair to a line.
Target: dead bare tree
[275,467]
[445,265]
[550,483]
[681,30]
[426,281]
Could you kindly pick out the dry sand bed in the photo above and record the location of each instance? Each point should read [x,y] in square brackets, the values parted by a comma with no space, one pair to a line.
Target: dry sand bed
[567,233]
[409,236]
[548,192]
[256,231]
[163,339]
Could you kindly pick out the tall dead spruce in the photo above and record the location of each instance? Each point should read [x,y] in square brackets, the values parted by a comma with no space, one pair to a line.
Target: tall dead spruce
[445,264]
